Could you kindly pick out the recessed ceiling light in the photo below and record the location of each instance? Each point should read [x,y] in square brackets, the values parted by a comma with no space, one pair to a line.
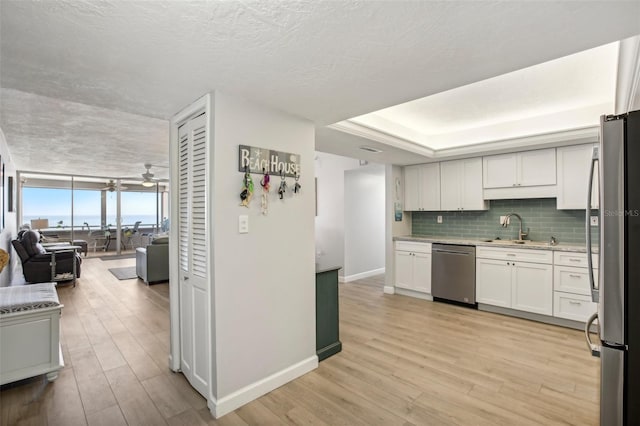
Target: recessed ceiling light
[369,149]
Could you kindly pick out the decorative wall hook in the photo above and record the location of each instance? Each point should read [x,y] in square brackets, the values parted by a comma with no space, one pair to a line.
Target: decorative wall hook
[247,188]
[283,184]
[297,186]
[266,185]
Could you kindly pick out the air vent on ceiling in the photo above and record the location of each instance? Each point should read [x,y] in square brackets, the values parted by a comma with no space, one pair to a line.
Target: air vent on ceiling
[369,149]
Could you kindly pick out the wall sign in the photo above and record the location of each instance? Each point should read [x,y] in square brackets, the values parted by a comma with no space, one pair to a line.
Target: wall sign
[257,160]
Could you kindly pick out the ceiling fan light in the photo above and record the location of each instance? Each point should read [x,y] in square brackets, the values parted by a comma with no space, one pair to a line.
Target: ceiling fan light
[148,183]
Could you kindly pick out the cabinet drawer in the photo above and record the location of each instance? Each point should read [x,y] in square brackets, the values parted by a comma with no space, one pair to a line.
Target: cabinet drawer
[568,258]
[573,306]
[522,255]
[572,280]
[413,246]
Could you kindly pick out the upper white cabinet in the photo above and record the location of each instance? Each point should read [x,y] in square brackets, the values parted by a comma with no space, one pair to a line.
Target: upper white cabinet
[528,174]
[461,185]
[499,171]
[573,177]
[422,187]
[528,168]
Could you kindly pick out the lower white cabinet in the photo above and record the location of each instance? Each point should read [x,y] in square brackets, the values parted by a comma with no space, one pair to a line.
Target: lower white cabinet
[532,288]
[493,282]
[502,280]
[572,287]
[413,266]
[571,306]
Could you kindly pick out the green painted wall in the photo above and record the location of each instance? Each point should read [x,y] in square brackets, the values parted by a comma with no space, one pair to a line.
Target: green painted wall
[540,215]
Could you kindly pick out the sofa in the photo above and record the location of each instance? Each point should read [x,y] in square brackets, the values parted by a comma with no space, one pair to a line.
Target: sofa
[152,261]
[36,262]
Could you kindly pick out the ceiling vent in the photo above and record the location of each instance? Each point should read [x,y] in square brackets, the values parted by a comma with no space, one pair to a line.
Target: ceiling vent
[369,149]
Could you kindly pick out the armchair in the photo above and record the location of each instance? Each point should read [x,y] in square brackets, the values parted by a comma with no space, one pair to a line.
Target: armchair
[152,261]
[36,262]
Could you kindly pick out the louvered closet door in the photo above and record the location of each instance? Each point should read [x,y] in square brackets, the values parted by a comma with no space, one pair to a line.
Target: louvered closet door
[193,254]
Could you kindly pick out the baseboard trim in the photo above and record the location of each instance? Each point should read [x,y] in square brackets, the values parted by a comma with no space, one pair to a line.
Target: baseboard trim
[362,275]
[562,322]
[327,351]
[388,289]
[225,405]
[411,293]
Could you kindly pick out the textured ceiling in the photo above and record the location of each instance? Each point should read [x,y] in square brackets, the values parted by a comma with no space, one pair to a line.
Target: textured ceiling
[56,136]
[323,60]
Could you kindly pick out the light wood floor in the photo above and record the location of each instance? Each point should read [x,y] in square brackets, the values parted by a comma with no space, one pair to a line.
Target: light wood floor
[404,361]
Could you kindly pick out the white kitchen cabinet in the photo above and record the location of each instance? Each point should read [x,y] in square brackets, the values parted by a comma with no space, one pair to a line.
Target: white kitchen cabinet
[532,288]
[413,266]
[536,167]
[527,174]
[527,168]
[422,272]
[493,282]
[412,188]
[404,269]
[573,177]
[499,171]
[572,287]
[503,279]
[573,280]
[461,185]
[574,307]
[422,187]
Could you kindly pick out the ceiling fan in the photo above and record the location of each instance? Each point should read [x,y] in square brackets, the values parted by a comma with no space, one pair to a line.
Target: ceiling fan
[112,186]
[147,177]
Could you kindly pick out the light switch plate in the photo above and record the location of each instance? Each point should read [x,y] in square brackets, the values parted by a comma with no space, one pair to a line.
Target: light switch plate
[439,219]
[594,220]
[243,224]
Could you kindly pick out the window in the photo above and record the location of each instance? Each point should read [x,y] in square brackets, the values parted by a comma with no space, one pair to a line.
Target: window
[136,206]
[47,203]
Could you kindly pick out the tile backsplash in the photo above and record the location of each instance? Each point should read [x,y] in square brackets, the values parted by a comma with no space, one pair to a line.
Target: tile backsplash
[539,215]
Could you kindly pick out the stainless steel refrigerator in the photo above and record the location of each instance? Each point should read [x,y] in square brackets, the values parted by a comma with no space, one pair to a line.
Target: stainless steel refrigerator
[617,291]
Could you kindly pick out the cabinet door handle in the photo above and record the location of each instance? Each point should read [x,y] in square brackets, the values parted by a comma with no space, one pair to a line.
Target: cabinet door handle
[573,259]
[574,276]
[511,254]
[573,302]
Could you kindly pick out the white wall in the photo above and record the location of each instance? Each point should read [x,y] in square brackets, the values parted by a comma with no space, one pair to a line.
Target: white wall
[264,281]
[13,271]
[364,223]
[330,219]
[394,191]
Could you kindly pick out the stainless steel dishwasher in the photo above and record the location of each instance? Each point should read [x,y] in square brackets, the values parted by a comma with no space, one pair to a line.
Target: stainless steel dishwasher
[453,273]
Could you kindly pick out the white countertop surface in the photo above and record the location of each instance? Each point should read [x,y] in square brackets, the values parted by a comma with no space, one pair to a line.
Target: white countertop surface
[539,245]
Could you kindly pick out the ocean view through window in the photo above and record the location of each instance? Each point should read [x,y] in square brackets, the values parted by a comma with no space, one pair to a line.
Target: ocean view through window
[54,204]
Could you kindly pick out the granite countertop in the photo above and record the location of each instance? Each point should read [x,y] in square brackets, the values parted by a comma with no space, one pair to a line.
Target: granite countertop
[537,245]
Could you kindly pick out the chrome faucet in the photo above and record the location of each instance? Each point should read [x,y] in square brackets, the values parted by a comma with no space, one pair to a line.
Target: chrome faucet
[521,234]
